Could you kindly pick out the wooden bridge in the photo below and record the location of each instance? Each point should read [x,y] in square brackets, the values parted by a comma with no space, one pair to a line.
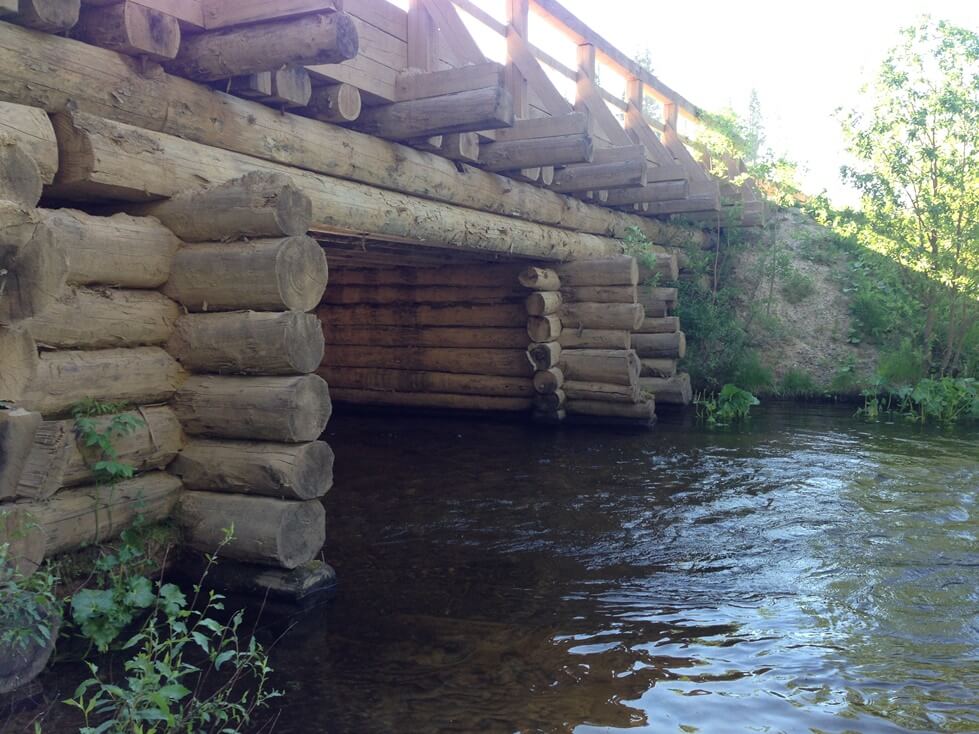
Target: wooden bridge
[228,214]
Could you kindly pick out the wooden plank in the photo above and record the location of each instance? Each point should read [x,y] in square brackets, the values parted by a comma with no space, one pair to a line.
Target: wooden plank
[415,85]
[421,37]
[537,80]
[224,13]
[518,12]
[574,123]
[454,31]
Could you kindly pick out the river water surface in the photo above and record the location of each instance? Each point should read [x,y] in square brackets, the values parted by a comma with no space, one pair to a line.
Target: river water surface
[808,573]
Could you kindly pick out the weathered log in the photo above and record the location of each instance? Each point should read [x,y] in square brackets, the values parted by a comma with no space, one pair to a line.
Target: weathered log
[618,316]
[602,392]
[608,366]
[259,204]
[544,328]
[18,363]
[31,128]
[493,337]
[407,315]
[550,402]
[290,471]
[652,191]
[121,250]
[544,303]
[19,530]
[291,87]
[248,343]
[658,368]
[600,176]
[660,346]
[421,381]
[18,225]
[262,529]
[433,400]
[49,72]
[386,295]
[517,154]
[621,270]
[265,275]
[94,514]
[22,661]
[540,279]
[339,103]
[50,16]
[595,339]
[86,318]
[549,381]
[288,409]
[253,86]
[460,147]
[17,430]
[601,294]
[661,325]
[487,275]
[142,376]
[656,296]
[644,411]
[675,390]
[497,362]
[662,265]
[312,39]
[544,356]
[479,109]
[47,459]
[130,28]
[34,278]
[20,176]
[550,417]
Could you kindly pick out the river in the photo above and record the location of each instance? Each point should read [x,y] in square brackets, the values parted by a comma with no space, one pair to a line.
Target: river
[805,573]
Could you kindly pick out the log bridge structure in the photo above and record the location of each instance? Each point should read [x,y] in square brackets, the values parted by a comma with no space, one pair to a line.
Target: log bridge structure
[224,215]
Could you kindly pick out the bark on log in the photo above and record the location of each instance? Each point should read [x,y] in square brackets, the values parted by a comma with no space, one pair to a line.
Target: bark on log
[264,530]
[540,279]
[291,87]
[18,364]
[339,103]
[661,325]
[94,514]
[17,430]
[259,204]
[602,392]
[142,376]
[612,367]
[86,318]
[460,147]
[121,250]
[621,270]
[49,72]
[544,328]
[479,109]
[130,28]
[660,346]
[329,38]
[433,400]
[249,343]
[265,275]
[601,176]
[658,368]
[595,339]
[616,316]
[493,337]
[548,381]
[545,303]
[46,461]
[31,128]
[601,294]
[419,381]
[656,296]
[407,315]
[288,409]
[19,530]
[20,176]
[644,412]
[517,154]
[49,16]
[544,356]
[288,471]
[496,362]
[35,276]
[18,225]
[674,390]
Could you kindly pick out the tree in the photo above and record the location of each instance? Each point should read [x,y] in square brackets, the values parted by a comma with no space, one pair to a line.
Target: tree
[916,144]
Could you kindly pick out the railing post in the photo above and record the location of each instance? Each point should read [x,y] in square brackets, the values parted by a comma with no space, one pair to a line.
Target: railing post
[421,37]
[518,21]
[586,74]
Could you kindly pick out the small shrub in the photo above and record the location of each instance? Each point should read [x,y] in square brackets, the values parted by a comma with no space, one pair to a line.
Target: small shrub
[751,373]
[27,604]
[946,401]
[797,383]
[905,365]
[797,287]
[872,319]
[731,405]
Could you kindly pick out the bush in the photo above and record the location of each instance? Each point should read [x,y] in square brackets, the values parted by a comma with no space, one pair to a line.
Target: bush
[905,365]
[752,374]
[731,405]
[797,287]
[797,384]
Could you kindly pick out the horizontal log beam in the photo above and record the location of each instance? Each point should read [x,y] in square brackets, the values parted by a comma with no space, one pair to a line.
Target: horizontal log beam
[130,28]
[519,154]
[426,381]
[413,85]
[475,337]
[440,401]
[600,176]
[481,109]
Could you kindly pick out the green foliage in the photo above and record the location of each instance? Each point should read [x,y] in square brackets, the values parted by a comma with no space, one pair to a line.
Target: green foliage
[904,365]
[98,445]
[751,373]
[731,405]
[27,604]
[797,287]
[945,401]
[797,384]
[638,246]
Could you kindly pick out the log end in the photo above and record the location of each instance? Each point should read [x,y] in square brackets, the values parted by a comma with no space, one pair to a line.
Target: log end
[302,273]
[312,409]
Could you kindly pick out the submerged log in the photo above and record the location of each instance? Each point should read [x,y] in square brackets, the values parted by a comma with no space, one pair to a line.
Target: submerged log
[288,409]
[262,529]
[420,381]
[660,346]
[20,177]
[130,28]
[615,316]
[620,270]
[31,128]
[432,400]
[611,367]
[491,337]
[248,343]
[675,390]
[540,279]
[17,430]
[602,392]
[498,362]
[595,339]
[18,363]
[289,471]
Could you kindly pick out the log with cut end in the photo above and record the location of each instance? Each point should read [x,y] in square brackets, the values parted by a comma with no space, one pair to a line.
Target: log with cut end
[644,411]
[143,375]
[307,40]
[550,402]
[20,177]
[516,154]
[540,279]
[17,430]
[289,409]
[601,294]
[664,265]
[460,147]
[287,274]
[544,328]
[549,381]
[675,390]
[248,343]
[410,316]
[479,109]
[33,278]
[259,204]
[600,176]
[657,297]
[290,471]
[419,381]
[31,128]
[615,316]
[263,530]
[25,539]
[660,346]
[595,339]
[337,103]
[660,325]
[47,459]
[121,250]
[50,16]
[89,515]
[291,87]
[492,337]
[544,303]
[18,224]
[612,367]
[602,392]
[130,28]
[618,270]
[545,355]
[433,400]
[18,363]
[498,362]
[658,368]
[88,318]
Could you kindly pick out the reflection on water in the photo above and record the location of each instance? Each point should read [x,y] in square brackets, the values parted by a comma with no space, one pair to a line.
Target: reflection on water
[808,574]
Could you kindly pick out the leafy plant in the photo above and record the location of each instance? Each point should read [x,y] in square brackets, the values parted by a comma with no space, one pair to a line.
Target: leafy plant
[27,604]
[731,405]
[753,374]
[945,401]
[797,383]
[97,435]
[797,287]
